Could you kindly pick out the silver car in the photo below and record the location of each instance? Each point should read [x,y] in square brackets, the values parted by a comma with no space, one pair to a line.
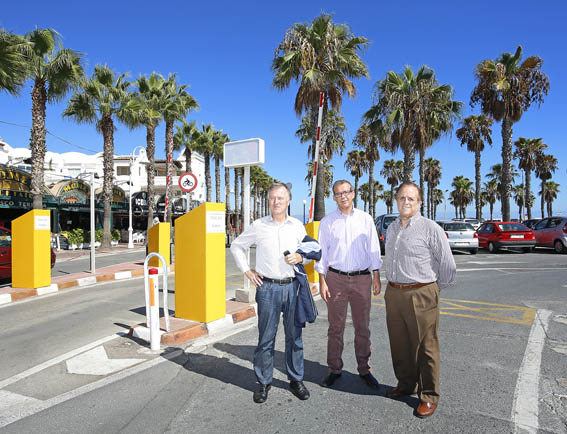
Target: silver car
[461,236]
[552,232]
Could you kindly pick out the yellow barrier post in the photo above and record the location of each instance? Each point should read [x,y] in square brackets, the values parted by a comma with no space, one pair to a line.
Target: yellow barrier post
[200,265]
[158,241]
[312,230]
[31,250]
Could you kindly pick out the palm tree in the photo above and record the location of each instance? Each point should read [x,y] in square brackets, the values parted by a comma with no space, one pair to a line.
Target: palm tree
[184,140]
[527,151]
[177,104]
[415,108]
[505,89]
[322,57]
[54,71]
[433,177]
[204,145]
[462,194]
[237,174]
[438,198]
[378,190]
[474,132]
[496,173]
[217,151]
[101,99]
[393,171]
[356,164]
[546,165]
[12,62]
[519,195]
[490,193]
[387,198]
[150,95]
[365,194]
[368,139]
[550,194]
[326,172]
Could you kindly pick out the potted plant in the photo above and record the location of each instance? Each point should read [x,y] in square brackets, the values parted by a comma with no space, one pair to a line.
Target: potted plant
[114,237]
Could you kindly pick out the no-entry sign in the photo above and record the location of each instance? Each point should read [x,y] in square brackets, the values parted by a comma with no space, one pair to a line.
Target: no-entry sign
[187,182]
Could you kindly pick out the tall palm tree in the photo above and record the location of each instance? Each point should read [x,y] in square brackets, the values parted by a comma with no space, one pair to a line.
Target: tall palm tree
[12,62]
[368,138]
[184,140]
[217,151]
[506,88]
[387,198]
[365,194]
[378,190]
[393,171]
[438,198]
[54,71]
[550,194]
[490,193]
[546,165]
[462,194]
[520,198]
[150,94]
[527,151]
[326,172]
[204,145]
[177,104]
[102,99]
[416,109]
[496,173]
[355,163]
[474,132]
[432,177]
[320,56]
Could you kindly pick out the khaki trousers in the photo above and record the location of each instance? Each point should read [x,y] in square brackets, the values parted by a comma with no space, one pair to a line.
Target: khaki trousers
[412,317]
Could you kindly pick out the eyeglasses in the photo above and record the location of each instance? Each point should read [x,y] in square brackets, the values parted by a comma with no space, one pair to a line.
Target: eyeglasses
[343,193]
[409,199]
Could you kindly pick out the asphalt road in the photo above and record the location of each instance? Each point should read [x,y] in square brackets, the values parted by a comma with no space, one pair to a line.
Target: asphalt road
[489,344]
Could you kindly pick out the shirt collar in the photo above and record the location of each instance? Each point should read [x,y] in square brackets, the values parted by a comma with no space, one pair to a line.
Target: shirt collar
[271,220]
[411,221]
[340,213]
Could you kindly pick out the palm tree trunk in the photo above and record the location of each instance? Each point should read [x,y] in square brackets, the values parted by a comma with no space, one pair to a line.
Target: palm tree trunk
[227,189]
[477,184]
[371,186]
[506,168]
[150,171]
[421,177]
[392,198]
[242,198]
[319,211]
[169,174]
[107,127]
[355,190]
[217,178]
[207,157]
[409,164]
[37,142]
[491,210]
[542,198]
[528,194]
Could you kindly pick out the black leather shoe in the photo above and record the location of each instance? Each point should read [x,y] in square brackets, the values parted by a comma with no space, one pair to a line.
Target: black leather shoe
[330,379]
[370,380]
[299,390]
[261,394]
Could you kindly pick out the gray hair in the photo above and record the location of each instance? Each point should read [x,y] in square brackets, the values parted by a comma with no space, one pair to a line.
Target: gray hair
[279,185]
[340,182]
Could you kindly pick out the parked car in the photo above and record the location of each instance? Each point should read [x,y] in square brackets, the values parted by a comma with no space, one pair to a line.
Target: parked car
[531,223]
[6,254]
[461,236]
[552,232]
[382,223]
[496,235]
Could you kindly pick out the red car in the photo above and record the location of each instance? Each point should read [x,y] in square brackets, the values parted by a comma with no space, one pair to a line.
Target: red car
[496,235]
[6,254]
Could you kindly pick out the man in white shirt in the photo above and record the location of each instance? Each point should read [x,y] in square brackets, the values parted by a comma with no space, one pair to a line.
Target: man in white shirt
[276,289]
[348,271]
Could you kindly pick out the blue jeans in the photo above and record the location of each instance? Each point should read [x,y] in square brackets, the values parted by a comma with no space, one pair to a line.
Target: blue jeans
[272,299]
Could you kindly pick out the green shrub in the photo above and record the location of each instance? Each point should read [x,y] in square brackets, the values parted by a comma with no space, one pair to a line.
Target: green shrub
[98,235]
[115,235]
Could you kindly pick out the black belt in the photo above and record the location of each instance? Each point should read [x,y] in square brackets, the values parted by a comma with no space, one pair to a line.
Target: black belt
[279,281]
[349,273]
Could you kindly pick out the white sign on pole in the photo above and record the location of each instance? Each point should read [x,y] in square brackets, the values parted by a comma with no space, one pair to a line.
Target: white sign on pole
[215,222]
[42,222]
[241,153]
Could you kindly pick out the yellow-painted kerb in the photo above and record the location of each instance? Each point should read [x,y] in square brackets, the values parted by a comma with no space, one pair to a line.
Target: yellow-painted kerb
[481,310]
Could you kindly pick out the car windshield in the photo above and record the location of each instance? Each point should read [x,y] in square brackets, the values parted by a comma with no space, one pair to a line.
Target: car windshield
[388,220]
[512,227]
[459,227]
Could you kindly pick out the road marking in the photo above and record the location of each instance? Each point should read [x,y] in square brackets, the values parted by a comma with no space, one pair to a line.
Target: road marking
[525,409]
[11,403]
[493,262]
[96,362]
[510,268]
[484,311]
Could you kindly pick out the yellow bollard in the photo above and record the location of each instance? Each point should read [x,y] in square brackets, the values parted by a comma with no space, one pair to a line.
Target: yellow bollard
[312,230]
[31,250]
[200,265]
[158,241]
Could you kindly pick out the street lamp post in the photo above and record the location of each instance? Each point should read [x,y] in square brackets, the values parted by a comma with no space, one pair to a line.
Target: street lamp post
[304,202]
[92,244]
[445,205]
[130,229]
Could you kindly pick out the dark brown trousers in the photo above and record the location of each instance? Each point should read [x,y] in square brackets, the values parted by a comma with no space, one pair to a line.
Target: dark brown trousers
[412,317]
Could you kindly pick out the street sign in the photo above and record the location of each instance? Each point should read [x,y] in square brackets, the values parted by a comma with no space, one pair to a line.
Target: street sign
[243,153]
[187,182]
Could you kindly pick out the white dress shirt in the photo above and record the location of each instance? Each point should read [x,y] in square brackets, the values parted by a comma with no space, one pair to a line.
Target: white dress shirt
[348,242]
[272,239]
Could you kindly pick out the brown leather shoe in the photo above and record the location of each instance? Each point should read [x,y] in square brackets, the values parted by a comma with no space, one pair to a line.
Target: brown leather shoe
[425,409]
[396,393]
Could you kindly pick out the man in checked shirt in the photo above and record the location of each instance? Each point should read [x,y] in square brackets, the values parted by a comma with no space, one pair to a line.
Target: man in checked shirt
[418,263]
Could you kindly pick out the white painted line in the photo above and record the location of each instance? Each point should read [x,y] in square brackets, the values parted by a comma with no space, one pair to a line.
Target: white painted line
[48,289]
[5,298]
[57,359]
[525,408]
[11,403]
[91,280]
[97,362]
[122,275]
[509,268]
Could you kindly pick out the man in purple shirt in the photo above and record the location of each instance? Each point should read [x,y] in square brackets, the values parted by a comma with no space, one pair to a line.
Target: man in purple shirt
[348,270]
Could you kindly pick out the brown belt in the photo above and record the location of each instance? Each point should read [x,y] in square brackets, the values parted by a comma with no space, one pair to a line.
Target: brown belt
[408,285]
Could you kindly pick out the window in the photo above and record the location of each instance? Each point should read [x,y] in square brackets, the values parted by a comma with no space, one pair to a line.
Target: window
[5,238]
[542,224]
[123,170]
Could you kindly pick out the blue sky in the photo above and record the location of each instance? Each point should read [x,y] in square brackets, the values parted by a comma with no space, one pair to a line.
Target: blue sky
[223,50]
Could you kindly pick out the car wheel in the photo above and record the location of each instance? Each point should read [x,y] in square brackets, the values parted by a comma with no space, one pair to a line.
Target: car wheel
[492,248]
[474,251]
[559,247]
[528,249]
